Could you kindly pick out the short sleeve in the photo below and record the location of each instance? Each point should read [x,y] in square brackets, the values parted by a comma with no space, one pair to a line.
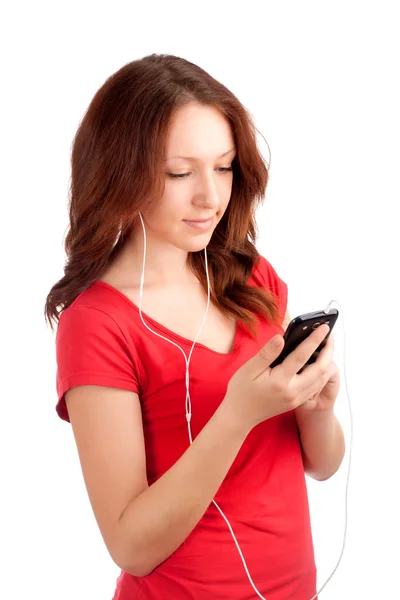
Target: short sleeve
[91,349]
[274,283]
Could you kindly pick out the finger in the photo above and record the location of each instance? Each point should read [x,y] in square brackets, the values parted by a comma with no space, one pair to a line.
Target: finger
[315,376]
[333,370]
[298,358]
[325,355]
[330,339]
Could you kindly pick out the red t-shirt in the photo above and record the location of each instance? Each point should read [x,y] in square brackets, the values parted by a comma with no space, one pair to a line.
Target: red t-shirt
[101,340]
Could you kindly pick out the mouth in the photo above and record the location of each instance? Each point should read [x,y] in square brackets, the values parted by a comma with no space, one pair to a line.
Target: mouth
[199,220]
[203,224]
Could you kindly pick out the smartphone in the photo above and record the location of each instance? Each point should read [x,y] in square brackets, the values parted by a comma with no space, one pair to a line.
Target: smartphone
[300,328]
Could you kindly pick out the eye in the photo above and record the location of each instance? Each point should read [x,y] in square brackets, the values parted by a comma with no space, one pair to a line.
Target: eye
[184,175]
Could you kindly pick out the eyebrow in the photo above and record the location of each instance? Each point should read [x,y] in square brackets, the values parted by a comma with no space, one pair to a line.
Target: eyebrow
[194,158]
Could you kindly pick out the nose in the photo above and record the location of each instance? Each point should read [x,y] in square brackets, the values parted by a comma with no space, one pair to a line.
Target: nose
[208,194]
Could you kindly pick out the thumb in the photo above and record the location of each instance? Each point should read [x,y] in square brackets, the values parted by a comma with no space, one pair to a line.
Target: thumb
[266,355]
[272,349]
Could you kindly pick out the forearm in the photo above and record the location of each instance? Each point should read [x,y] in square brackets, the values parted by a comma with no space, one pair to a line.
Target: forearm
[323,443]
[156,522]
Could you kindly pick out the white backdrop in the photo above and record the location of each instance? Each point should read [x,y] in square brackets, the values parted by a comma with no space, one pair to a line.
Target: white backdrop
[321,80]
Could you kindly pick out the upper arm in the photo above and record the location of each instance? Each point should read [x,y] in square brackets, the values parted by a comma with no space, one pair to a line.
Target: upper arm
[272,282]
[286,320]
[108,431]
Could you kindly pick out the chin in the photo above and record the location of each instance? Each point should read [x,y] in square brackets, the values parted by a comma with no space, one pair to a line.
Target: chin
[196,246]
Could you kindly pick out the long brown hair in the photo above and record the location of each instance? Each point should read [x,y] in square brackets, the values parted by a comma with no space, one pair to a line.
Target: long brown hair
[116,171]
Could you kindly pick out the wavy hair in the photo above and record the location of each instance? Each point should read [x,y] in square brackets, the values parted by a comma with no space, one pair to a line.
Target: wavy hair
[117,171]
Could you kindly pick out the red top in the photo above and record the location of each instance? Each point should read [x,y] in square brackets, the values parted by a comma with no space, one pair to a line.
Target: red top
[101,340]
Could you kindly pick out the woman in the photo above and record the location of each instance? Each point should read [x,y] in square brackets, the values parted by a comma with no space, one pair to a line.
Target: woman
[162,145]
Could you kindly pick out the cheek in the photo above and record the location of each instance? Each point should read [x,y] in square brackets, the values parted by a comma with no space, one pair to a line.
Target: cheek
[171,206]
[176,200]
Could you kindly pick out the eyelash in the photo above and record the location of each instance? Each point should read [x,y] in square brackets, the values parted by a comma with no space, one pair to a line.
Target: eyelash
[184,175]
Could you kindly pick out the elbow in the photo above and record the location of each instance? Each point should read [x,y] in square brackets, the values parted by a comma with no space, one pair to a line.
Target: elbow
[134,566]
[123,559]
[321,476]
[127,554]
[134,563]
[136,569]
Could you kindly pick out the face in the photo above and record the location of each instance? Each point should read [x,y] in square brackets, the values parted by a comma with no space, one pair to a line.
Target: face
[198,186]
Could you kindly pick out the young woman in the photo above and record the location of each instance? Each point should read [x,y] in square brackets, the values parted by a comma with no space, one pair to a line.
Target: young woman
[162,146]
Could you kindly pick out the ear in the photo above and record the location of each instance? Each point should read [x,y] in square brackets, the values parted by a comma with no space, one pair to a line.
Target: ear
[286,320]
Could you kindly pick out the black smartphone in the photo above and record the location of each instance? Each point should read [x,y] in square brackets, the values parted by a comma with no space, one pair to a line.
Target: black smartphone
[300,328]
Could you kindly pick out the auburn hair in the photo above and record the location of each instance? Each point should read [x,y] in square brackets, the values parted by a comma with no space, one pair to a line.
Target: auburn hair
[117,171]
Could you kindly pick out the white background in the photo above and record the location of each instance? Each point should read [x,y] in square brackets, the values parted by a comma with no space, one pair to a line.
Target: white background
[321,80]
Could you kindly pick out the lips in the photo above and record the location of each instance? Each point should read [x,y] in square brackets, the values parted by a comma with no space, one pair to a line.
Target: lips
[199,220]
[201,225]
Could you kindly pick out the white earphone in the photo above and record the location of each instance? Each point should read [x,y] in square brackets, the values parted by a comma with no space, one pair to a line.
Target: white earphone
[188,403]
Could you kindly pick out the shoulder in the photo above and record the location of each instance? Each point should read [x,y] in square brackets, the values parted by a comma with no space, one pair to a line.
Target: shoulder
[95,306]
[268,273]
[92,327]
[92,349]
[271,280]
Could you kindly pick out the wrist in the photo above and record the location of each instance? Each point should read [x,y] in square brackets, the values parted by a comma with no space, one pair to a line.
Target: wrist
[314,415]
[230,420]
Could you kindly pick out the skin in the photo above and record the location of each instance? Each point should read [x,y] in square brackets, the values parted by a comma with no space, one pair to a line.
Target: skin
[205,134]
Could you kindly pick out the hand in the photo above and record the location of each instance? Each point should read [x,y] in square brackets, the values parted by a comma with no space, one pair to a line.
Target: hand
[256,392]
[323,400]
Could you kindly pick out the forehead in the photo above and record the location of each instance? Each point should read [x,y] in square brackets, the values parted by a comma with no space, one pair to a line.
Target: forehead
[198,158]
[199,133]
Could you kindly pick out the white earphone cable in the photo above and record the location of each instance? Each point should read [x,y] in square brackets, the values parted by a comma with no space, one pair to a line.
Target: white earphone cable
[189,413]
